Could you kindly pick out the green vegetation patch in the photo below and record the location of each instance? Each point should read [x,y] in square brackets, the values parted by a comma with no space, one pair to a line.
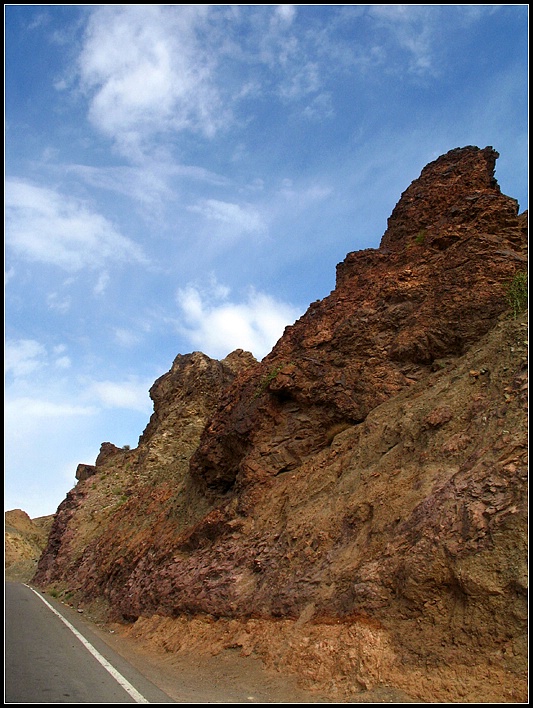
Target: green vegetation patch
[516,293]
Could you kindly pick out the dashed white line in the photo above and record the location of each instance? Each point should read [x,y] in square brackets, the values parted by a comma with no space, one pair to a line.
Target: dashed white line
[126,685]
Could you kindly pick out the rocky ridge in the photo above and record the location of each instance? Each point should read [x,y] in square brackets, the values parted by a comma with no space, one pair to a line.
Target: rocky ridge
[353,508]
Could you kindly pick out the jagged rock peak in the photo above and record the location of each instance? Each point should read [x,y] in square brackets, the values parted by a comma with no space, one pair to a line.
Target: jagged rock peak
[196,374]
[453,193]
[239,360]
[193,384]
[84,471]
[394,311]
[107,450]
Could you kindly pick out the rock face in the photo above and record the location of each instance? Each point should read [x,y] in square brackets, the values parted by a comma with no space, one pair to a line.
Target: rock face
[435,285]
[366,480]
[124,504]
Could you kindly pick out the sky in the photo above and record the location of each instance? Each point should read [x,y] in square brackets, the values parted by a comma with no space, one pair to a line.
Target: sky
[185,178]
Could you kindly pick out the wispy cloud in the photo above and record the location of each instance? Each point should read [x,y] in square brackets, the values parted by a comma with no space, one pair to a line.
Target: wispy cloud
[131,394]
[126,337]
[102,283]
[146,72]
[59,303]
[286,13]
[145,186]
[23,357]
[63,362]
[45,226]
[149,184]
[149,71]
[217,325]
[413,28]
[52,395]
[30,409]
[242,219]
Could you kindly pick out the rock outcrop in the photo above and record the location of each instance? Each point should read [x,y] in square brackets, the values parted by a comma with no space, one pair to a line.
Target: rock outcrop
[435,286]
[353,507]
[124,506]
[24,541]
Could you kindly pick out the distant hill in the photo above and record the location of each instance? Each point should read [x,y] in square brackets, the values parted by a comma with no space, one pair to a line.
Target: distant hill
[24,541]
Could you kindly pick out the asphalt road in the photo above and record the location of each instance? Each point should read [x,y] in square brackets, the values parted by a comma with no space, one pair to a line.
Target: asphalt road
[53,659]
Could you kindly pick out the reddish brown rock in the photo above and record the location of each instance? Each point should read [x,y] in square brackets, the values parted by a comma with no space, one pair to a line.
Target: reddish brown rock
[455,193]
[436,284]
[138,488]
[107,450]
[85,471]
[366,482]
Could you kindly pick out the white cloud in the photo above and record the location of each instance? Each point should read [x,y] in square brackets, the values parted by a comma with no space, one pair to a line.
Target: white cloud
[40,432]
[23,357]
[26,357]
[101,283]
[286,12]
[154,70]
[52,396]
[126,338]
[146,186]
[302,197]
[58,303]
[131,394]
[304,79]
[419,30]
[149,184]
[242,219]
[25,411]
[147,72]
[320,107]
[216,326]
[63,362]
[45,226]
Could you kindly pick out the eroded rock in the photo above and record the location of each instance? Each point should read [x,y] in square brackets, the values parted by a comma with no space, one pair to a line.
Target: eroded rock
[360,477]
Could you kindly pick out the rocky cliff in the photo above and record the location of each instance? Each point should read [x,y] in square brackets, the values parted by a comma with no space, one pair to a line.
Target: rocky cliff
[353,508]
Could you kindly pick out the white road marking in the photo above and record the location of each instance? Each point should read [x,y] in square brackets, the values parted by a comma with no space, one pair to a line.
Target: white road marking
[126,685]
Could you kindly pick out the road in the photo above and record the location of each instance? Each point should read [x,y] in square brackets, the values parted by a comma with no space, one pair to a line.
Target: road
[53,659]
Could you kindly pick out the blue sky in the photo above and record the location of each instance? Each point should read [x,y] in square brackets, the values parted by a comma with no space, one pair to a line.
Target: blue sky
[182,178]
